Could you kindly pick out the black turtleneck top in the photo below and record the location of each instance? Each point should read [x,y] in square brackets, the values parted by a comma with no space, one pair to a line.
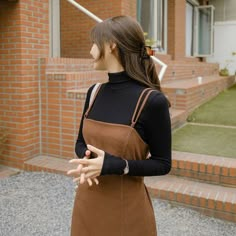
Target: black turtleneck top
[115,103]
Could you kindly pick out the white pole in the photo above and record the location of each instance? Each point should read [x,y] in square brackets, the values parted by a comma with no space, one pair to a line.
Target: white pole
[84,10]
[163,67]
[90,14]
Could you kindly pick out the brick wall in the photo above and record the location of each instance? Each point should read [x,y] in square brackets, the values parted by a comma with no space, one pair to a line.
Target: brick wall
[128,7]
[75,25]
[176,28]
[61,113]
[35,108]
[23,39]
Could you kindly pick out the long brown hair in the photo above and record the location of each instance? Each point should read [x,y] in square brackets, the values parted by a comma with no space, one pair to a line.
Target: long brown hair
[128,35]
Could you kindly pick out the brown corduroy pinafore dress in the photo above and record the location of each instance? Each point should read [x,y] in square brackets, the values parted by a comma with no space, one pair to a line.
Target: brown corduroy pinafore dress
[118,205]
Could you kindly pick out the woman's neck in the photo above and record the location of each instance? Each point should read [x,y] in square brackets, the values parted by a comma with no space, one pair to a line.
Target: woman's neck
[115,68]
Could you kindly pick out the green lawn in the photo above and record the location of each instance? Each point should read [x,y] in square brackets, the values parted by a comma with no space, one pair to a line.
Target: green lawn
[220,110]
[208,140]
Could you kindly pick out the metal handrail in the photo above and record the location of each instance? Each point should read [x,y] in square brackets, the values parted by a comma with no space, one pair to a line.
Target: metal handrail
[94,17]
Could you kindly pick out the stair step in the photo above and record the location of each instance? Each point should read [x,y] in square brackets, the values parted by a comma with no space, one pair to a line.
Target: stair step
[189,94]
[211,169]
[6,171]
[215,201]
[216,170]
[48,164]
[178,117]
[191,82]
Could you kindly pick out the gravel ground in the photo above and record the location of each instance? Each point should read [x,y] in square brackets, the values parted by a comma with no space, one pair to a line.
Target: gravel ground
[33,203]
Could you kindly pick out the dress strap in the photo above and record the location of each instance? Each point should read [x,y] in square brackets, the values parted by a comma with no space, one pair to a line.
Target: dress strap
[140,105]
[93,96]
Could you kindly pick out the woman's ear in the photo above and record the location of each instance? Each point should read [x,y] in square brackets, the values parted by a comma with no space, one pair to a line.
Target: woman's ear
[113,46]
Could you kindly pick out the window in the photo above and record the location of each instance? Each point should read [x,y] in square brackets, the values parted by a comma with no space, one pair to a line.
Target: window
[225,10]
[199,29]
[204,31]
[189,29]
[152,15]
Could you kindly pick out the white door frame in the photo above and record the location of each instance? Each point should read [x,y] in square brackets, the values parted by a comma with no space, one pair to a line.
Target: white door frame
[197,32]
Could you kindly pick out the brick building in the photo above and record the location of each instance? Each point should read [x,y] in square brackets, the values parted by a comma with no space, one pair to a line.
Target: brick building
[45,68]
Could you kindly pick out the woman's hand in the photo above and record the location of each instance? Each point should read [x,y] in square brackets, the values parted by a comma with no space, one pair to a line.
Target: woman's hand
[88,169]
[77,171]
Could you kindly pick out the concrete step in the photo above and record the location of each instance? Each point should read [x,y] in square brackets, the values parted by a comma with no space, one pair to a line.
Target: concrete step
[202,168]
[178,70]
[178,117]
[48,164]
[189,94]
[205,168]
[212,200]
[6,171]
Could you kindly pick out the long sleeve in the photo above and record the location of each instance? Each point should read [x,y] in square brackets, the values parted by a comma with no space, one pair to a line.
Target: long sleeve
[80,146]
[115,103]
[157,131]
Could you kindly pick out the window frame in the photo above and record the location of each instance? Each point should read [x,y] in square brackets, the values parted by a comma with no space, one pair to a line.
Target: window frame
[163,45]
[196,30]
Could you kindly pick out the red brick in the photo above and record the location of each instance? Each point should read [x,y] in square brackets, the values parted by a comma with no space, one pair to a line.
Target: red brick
[225,171]
[232,172]
[202,202]
[228,207]
[202,167]
[209,168]
[211,204]
[216,170]
[195,167]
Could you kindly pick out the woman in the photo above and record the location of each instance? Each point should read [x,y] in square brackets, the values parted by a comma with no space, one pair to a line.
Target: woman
[124,120]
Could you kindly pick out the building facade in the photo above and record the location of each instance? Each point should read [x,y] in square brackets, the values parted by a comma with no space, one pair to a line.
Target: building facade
[45,67]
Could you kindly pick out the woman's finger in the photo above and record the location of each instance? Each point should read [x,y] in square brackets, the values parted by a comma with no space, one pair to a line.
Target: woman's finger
[82,178]
[96,181]
[76,180]
[75,161]
[83,161]
[87,153]
[73,171]
[91,174]
[85,169]
[79,167]
[94,149]
[89,182]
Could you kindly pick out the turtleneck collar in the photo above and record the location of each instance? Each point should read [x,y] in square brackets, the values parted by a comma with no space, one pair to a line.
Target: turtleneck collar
[118,77]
